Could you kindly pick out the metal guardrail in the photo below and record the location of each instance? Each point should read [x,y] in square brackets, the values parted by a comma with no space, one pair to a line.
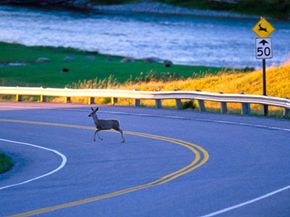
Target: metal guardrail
[158,96]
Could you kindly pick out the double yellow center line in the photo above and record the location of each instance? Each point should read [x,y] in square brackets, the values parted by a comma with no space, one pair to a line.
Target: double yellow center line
[200,157]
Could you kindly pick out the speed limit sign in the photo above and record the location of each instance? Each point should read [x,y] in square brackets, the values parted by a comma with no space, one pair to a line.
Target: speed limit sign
[264,29]
[264,48]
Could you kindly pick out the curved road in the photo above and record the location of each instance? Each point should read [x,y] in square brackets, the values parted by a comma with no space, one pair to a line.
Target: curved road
[174,163]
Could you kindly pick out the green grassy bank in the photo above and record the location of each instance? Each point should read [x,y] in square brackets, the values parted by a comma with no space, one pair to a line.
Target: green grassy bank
[59,67]
[6,163]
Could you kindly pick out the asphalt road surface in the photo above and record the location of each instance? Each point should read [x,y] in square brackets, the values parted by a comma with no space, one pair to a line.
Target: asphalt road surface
[173,163]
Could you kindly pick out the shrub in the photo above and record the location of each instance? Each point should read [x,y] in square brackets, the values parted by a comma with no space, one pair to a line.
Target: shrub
[5,163]
[188,105]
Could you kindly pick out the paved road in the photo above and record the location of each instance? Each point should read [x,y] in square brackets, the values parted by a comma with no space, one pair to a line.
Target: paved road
[174,163]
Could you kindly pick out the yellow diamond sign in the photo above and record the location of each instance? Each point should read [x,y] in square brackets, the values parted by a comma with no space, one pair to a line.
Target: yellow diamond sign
[263,28]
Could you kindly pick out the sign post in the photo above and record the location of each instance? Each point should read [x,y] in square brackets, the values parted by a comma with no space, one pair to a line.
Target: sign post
[264,49]
[264,85]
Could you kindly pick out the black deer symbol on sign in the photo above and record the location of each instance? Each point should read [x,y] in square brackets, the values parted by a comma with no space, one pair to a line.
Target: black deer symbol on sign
[262,28]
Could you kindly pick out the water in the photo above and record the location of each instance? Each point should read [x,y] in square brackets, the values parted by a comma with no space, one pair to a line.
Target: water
[184,40]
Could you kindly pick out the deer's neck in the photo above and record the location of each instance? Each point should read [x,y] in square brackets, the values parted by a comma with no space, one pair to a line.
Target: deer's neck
[95,118]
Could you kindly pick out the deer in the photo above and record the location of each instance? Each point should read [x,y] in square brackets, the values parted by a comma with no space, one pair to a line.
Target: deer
[102,124]
[262,28]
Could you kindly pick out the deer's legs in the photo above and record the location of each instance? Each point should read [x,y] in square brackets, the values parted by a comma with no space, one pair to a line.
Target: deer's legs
[122,136]
[96,133]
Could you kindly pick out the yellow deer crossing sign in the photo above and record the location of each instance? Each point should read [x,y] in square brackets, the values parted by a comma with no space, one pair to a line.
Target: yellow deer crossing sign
[264,48]
[263,28]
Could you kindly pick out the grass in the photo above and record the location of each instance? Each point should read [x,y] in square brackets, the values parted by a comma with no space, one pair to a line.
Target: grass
[278,80]
[5,163]
[64,66]
[93,70]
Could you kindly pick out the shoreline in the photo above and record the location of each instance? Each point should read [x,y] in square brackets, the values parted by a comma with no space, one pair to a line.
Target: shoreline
[220,9]
[157,8]
[61,67]
[131,47]
[147,7]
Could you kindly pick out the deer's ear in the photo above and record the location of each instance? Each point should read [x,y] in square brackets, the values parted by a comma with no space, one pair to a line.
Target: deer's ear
[97,108]
[92,108]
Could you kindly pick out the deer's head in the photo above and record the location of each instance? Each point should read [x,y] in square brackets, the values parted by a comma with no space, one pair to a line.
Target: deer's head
[93,111]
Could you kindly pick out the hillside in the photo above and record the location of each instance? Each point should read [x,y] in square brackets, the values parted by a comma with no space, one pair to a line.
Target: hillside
[270,8]
[278,83]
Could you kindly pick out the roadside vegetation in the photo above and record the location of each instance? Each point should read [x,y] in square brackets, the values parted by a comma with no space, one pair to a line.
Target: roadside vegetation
[58,67]
[273,8]
[71,68]
[6,163]
[278,80]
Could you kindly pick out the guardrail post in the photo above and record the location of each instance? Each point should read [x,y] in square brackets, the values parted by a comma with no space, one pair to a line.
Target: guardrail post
[18,98]
[137,102]
[201,106]
[91,100]
[178,103]
[158,103]
[286,112]
[114,100]
[42,98]
[224,108]
[246,109]
[67,99]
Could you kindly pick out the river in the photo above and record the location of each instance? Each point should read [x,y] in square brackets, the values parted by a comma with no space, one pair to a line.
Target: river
[191,40]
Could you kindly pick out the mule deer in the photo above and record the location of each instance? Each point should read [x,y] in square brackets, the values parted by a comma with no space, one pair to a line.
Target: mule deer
[105,125]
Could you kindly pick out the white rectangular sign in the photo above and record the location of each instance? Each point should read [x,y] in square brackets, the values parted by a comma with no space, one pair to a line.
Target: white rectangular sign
[264,48]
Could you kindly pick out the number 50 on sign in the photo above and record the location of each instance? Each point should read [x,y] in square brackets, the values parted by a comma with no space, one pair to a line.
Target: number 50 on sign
[264,48]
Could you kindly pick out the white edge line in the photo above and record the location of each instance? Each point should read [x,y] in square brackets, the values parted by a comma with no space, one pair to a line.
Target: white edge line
[178,117]
[246,124]
[241,124]
[204,120]
[63,157]
[246,203]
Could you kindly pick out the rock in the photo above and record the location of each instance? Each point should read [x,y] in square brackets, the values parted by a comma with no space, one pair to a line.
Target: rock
[90,58]
[109,59]
[248,69]
[42,60]
[127,60]
[69,58]
[152,60]
[65,70]
[4,64]
[167,63]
